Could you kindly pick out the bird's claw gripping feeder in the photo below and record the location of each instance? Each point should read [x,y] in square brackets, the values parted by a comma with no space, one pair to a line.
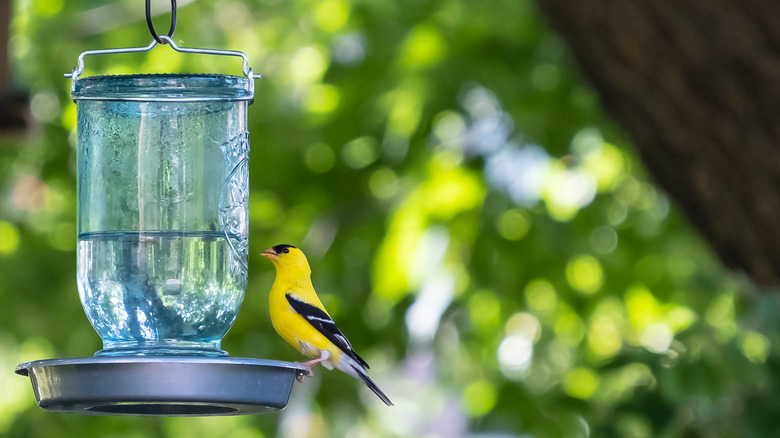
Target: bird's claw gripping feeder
[163,189]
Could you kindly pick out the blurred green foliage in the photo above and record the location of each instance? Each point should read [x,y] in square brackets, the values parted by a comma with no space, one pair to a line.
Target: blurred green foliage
[482,232]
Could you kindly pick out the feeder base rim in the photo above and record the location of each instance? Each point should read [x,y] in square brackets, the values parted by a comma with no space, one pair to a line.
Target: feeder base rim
[161,385]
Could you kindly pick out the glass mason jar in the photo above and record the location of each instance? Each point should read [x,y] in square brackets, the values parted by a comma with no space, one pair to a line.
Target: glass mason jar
[163,189]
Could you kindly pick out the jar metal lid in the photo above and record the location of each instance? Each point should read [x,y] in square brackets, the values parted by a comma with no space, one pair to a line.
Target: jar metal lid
[164,88]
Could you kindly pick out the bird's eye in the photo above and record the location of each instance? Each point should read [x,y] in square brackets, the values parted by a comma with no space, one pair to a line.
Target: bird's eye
[286,250]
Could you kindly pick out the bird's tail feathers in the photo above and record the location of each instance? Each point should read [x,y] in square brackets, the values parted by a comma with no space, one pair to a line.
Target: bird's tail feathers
[353,368]
[372,385]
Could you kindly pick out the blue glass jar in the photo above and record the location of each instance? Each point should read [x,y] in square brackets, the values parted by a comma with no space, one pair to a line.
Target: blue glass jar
[162,209]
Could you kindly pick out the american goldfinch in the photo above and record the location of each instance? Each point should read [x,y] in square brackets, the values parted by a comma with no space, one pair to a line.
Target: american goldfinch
[299,317]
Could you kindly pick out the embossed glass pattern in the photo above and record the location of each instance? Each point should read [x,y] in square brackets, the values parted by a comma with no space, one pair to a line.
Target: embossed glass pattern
[163,209]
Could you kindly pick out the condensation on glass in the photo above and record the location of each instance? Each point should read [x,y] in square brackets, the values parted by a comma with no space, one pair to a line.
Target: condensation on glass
[162,209]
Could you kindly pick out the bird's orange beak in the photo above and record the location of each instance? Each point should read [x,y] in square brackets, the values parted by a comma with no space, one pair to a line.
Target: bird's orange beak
[270,254]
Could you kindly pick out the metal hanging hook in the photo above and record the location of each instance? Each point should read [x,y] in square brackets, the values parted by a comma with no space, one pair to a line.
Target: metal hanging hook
[151,24]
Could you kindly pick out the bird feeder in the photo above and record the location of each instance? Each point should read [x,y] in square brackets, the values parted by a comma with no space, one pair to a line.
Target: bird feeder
[163,186]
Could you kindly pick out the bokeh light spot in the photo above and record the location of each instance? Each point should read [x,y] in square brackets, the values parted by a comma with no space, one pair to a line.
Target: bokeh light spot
[560,356]
[605,334]
[449,127]
[608,165]
[656,338]
[584,274]
[485,310]
[424,47]
[30,194]
[45,106]
[9,238]
[309,64]
[319,157]
[643,308]
[360,152]
[514,356]
[384,183]
[322,99]
[602,160]
[524,324]
[404,116]
[755,346]
[632,425]
[63,237]
[604,339]
[349,49]
[19,46]
[435,295]
[617,213]
[604,239]
[540,296]
[628,191]
[720,314]
[513,224]
[570,328]
[721,311]
[232,15]
[331,15]
[679,318]
[47,7]
[581,383]
[567,191]
[451,191]
[479,398]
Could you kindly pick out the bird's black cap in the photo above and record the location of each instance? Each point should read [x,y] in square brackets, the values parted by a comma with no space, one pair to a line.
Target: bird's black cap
[279,249]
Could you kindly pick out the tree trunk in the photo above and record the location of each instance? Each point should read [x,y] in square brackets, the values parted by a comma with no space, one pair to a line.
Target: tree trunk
[696,83]
[13,104]
[5,21]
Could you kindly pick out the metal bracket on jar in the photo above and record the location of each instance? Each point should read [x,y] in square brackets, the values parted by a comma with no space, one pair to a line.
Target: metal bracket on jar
[79,69]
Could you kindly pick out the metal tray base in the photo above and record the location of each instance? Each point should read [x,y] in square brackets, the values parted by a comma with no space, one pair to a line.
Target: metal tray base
[161,385]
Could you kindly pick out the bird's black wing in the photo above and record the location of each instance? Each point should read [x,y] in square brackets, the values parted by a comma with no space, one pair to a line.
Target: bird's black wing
[325,325]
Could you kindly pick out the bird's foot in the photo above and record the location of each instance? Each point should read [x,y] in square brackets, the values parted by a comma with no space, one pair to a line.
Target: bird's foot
[308,365]
[309,373]
[325,355]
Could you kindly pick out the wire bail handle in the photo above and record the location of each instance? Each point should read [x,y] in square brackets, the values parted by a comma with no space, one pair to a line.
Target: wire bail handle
[164,39]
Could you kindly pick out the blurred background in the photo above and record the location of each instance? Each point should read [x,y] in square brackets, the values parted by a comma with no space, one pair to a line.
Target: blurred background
[481,231]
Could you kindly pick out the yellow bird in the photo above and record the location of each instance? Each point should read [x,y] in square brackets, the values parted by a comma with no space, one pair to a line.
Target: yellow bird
[299,317]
